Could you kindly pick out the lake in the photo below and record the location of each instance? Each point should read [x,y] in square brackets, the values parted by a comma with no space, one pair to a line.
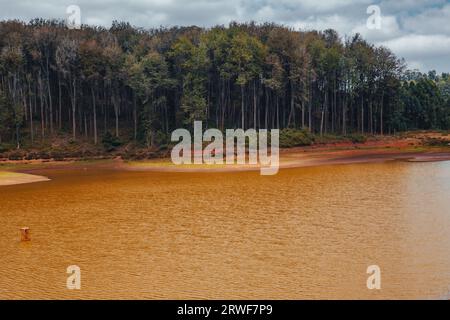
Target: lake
[305,233]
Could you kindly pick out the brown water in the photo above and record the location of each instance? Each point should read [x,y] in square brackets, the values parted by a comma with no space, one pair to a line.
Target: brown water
[305,233]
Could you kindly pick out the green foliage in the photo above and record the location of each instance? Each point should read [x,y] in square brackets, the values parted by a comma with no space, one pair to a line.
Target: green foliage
[436,142]
[110,142]
[357,138]
[294,138]
[6,116]
[330,138]
[148,75]
[161,139]
[58,155]
[146,83]
[193,106]
[193,63]
[245,57]
[5,147]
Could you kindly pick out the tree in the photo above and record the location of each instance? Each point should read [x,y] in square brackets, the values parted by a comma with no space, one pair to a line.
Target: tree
[148,76]
[67,59]
[114,58]
[245,59]
[193,63]
[92,70]
[141,84]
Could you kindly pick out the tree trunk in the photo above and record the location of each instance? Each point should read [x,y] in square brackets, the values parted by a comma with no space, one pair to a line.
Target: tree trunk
[135,117]
[323,113]
[41,100]
[94,109]
[266,113]
[362,113]
[278,113]
[254,104]
[291,112]
[85,126]
[50,100]
[242,107]
[74,101]
[381,113]
[344,112]
[303,115]
[31,114]
[310,109]
[60,103]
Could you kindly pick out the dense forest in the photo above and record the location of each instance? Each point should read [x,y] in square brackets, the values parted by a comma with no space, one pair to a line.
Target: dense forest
[139,85]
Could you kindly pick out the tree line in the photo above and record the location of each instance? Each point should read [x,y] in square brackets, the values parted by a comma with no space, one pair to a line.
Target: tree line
[139,84]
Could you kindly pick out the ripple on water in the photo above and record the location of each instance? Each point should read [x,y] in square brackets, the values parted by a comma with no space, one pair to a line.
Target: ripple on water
[304,233]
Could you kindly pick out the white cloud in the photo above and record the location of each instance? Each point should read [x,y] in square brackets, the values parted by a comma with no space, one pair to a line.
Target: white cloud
[389,29]
[337,22]
[423,52]
[266,13]
[416,46]
[318,6]
[434,20]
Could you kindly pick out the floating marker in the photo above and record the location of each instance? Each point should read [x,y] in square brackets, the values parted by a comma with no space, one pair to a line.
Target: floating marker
[25,234]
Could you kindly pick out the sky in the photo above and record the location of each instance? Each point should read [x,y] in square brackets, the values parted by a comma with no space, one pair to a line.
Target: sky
[417,30]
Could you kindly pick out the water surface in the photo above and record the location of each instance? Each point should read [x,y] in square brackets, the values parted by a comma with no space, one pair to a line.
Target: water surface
[304,233]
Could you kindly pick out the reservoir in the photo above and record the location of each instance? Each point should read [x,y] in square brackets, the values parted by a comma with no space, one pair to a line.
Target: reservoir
[304,233]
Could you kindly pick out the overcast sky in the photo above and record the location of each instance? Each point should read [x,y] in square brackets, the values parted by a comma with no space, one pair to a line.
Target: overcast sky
[418,30]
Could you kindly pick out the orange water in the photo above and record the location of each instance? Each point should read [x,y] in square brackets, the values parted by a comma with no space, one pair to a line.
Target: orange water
[304,233]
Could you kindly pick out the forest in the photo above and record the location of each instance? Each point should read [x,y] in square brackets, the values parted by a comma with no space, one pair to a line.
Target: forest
[131,84]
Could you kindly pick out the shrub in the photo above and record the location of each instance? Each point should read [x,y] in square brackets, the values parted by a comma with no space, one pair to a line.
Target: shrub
[357,138]
[436,142]
[110,142]
[58,155]
[293,138]
[161,138]
[5,147]
[44,155]
[329,138]
[16,156]
[138,156]
[32,156]
[152,155]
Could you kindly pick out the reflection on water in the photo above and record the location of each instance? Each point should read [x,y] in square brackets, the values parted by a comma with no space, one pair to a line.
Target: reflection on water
[305,233]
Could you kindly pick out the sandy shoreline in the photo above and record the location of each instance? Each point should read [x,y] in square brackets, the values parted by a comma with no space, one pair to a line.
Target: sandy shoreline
[14,178]
[21,172]
[292,159]
[409,148]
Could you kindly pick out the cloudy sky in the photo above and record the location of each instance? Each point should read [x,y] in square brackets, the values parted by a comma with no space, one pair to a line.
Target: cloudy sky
[418,30]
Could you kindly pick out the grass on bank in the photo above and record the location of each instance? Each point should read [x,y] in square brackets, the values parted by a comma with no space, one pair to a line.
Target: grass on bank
[299,138]
[62,147]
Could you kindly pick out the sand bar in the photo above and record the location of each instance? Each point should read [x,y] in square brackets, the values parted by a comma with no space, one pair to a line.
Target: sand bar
[13,178]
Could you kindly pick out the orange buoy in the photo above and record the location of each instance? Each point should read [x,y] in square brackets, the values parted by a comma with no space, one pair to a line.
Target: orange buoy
[25,234]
